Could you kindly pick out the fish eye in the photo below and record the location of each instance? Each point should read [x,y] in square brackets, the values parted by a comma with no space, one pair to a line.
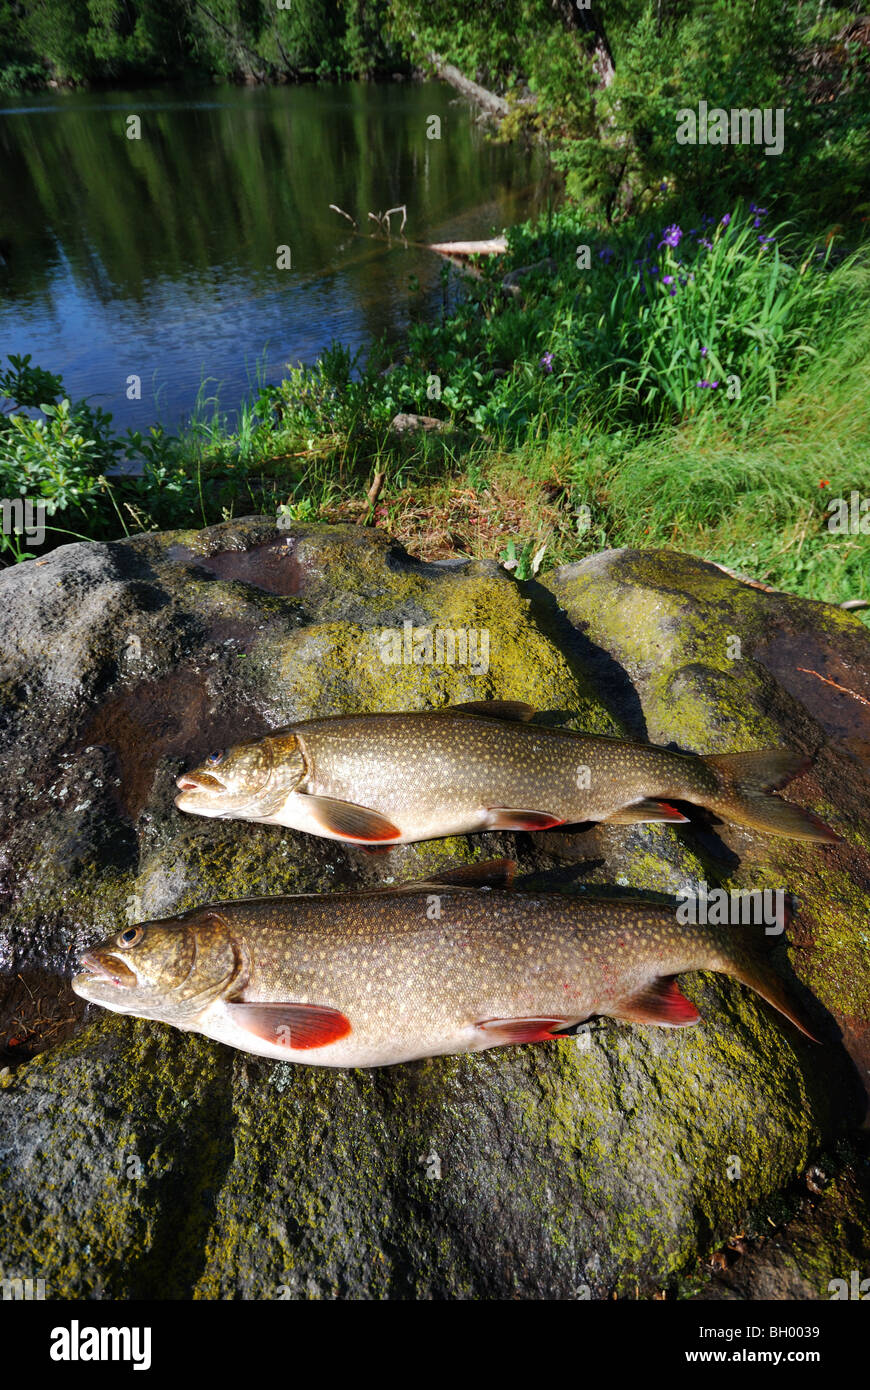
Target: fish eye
[130,936]
[218,757]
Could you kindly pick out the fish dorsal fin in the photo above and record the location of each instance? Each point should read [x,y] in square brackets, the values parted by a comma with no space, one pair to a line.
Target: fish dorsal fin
[497,709]
[298,1026]
[349,821]
[492,873]
[662,1002]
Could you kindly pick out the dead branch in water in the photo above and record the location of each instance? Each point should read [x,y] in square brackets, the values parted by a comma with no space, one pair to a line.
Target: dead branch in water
[455,252]
[341,212]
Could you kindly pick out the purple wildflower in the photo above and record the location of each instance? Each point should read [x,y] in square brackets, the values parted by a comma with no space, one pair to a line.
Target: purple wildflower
[707,245]
[703,352]
[671,236]
[606,254]
[703,385]
[663,187]
[547,361]
[726,219]
[667,279]
[766,240]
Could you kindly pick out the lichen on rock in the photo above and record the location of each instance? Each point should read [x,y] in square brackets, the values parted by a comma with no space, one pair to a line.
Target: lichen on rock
[138,1161]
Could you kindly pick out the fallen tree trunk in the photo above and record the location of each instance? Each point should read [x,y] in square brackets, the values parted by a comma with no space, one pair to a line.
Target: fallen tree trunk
[495,105]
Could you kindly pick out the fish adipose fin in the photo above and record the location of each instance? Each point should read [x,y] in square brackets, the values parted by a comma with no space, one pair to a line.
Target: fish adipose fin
[506,818]
[350,822]
[293,1025]
[497,709]
[522,1030]
[661,1002]
[647,811]
[745,783]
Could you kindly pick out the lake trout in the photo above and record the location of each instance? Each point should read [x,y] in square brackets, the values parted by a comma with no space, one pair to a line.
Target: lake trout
[373,978]
[392,779]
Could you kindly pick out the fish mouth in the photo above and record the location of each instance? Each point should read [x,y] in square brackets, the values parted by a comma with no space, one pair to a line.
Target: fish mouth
[98,967]
[202,782]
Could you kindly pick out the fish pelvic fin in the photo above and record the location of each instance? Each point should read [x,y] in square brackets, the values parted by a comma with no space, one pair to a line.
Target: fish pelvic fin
[746,781]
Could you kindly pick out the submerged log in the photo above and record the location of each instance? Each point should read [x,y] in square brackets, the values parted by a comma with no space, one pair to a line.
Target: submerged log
[495,246]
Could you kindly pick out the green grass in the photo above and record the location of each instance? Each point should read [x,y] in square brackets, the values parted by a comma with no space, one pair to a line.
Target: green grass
[574,415]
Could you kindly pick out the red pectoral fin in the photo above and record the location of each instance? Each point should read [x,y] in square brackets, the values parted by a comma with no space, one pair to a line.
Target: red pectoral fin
[351,822]
[661,1002]
[291,1025]
[505,818]
[522,1030]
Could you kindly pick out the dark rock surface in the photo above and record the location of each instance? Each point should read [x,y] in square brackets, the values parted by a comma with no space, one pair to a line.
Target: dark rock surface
[138,1161]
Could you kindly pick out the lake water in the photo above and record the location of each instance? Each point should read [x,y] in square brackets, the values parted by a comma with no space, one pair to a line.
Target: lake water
[157,257]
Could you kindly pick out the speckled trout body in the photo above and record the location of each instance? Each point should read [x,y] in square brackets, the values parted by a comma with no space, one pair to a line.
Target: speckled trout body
[370,979]
[390,779]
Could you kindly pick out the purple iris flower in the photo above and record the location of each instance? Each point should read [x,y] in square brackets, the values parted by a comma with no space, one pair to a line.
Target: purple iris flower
[726,219]
[547,361]
[667,279]
[672,236]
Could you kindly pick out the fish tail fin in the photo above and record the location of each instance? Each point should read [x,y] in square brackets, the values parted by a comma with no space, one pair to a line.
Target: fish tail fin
[746,958]
[746,781]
